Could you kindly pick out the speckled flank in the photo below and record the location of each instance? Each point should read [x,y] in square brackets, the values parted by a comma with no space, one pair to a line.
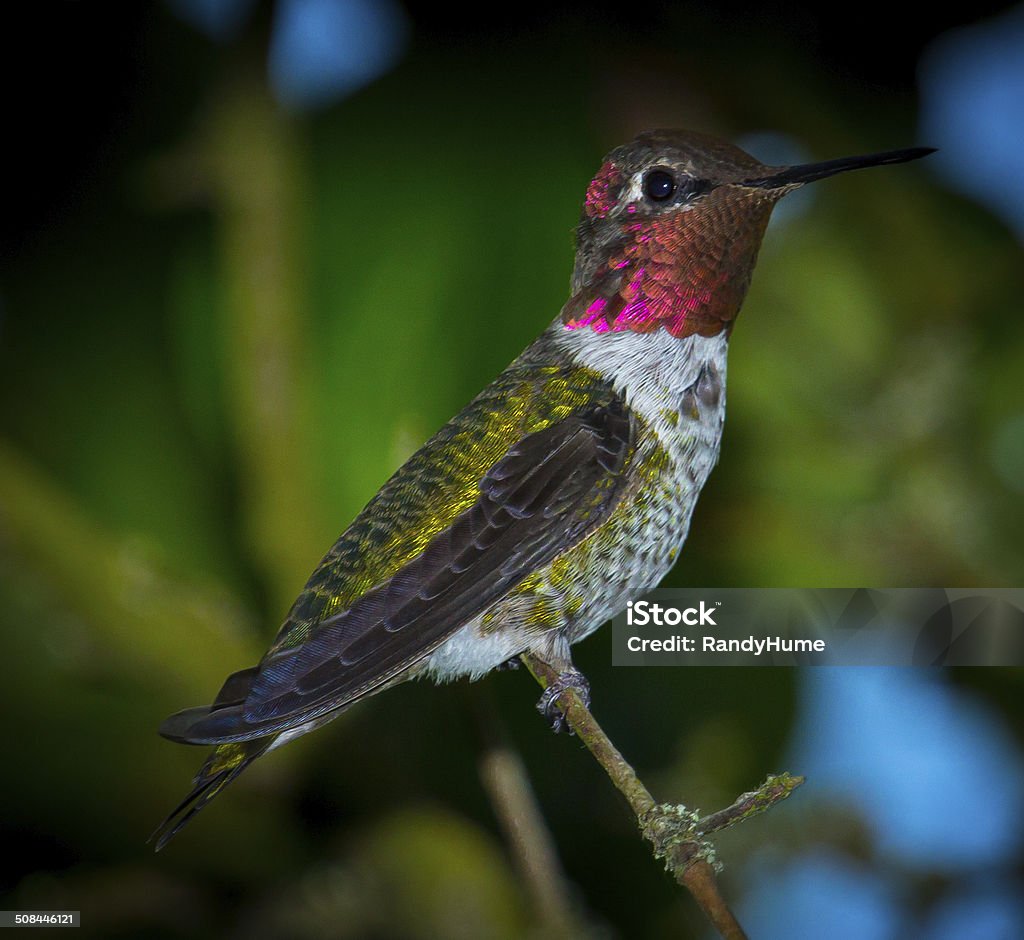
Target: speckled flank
[668,384]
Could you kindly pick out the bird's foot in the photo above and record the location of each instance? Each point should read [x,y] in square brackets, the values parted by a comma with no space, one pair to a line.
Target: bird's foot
[513,662]
[548,705]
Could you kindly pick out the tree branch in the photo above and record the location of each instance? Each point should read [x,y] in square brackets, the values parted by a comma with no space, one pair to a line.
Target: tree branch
[676,833]
[505,780]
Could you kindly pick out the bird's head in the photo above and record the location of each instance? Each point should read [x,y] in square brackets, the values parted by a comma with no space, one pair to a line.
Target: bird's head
[670,231]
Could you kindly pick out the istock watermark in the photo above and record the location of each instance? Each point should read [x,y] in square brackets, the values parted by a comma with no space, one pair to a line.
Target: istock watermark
[822,627]
[642,613]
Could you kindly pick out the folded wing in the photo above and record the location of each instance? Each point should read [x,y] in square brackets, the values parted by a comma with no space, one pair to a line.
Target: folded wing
[547,492]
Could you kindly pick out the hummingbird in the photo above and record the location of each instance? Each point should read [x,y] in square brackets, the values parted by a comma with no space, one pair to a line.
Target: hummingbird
[561,492]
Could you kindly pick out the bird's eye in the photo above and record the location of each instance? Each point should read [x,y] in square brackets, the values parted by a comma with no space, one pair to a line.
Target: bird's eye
[659,184]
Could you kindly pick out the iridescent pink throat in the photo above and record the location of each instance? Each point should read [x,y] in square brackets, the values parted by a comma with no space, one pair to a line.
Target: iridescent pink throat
[686,272]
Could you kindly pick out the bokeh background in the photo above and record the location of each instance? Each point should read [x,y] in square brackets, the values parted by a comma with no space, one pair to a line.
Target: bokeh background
[253,254]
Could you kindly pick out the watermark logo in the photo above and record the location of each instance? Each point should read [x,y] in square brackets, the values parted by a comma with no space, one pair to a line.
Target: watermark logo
[822,627]
[642,613]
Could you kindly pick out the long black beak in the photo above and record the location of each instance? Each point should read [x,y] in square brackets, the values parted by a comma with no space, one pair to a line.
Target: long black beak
[809,172]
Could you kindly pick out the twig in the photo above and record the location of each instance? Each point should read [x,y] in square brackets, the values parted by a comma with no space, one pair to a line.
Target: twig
[675,832]
[505,779]
[776,788]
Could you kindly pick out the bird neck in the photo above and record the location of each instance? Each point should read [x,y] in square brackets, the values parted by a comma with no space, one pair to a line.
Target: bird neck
[685,274]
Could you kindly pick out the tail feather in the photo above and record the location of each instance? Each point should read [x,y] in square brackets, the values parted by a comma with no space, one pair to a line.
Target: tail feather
[236,687]
[225,762]
[231,695]
[223,765]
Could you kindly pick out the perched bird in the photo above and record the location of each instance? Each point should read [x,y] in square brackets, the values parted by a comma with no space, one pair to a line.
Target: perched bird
[562,491]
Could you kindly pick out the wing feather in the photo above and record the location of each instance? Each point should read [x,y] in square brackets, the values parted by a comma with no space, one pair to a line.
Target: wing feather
[542,496]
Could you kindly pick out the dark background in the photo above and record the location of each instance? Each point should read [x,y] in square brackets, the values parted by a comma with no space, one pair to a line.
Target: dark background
[230,306]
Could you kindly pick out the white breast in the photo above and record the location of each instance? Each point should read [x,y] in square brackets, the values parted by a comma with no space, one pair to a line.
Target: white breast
[655,372]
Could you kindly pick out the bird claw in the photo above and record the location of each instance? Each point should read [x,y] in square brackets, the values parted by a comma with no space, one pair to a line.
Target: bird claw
[513,662]
[548,704]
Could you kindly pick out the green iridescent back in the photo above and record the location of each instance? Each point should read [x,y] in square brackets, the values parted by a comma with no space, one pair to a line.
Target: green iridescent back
[438,483]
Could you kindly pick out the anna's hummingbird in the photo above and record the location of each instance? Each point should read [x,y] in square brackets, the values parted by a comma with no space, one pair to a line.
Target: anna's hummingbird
[562,491]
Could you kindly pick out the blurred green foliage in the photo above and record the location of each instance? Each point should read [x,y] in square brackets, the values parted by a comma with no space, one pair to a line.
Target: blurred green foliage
[246,320]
